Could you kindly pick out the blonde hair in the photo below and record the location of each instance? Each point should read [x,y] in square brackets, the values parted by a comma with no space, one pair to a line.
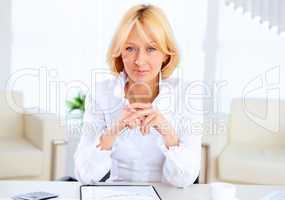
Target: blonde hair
[152,18]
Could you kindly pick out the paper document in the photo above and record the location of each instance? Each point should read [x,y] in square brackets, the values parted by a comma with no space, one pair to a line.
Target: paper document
[276,195]
[119,192]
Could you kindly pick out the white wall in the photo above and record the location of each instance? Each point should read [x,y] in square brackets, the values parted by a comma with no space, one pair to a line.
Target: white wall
[72,38]
[250,58]
[5,41]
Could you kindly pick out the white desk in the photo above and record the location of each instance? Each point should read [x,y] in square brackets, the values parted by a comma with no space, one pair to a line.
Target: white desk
[70,190]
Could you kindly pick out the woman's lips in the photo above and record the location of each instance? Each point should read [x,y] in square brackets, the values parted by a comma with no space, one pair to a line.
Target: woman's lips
[141,72]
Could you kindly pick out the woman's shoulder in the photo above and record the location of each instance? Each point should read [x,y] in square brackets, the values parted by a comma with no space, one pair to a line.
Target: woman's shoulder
[102,92]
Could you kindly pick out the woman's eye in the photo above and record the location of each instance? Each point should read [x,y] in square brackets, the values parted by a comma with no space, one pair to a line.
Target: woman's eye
[151,49]
[130,49]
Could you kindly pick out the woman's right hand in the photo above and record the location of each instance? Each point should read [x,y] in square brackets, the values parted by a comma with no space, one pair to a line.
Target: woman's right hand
[108,138]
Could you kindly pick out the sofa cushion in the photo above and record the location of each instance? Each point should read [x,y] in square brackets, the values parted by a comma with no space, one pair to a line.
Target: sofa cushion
[18,158]
[245,164]
[258,122]
[13,126]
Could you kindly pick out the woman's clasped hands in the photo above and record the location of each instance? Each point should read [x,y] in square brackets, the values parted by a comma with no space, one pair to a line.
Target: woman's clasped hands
[143,116]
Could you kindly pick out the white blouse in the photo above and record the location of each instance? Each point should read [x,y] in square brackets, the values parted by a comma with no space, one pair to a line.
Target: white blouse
[135,157]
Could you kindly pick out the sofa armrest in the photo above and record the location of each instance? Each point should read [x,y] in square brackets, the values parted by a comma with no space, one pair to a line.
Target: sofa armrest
[46,132]
[215,137]
[41,129]
[204,164]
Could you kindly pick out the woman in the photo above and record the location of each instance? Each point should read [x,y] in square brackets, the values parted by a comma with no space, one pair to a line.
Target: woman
[129,128]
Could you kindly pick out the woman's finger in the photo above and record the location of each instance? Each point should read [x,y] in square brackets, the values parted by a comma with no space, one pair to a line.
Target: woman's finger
[141,130]
[145,123]
[132,123]
[148,125]
[147,129]
[148,119]
[138,114]
[140,105]
[127,111]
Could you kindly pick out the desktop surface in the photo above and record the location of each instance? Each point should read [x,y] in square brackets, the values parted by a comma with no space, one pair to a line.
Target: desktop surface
[71,190]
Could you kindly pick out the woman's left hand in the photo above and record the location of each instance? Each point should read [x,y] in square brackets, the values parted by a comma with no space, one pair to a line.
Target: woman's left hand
[151,117]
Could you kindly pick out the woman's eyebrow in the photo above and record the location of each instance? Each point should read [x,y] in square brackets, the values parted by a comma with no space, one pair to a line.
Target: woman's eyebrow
[133,43]
[130,43]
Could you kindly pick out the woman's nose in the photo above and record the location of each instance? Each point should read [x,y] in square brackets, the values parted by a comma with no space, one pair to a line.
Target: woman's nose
[141,58]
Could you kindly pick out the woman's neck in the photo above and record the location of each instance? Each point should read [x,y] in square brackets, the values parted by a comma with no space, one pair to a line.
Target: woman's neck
[143,92]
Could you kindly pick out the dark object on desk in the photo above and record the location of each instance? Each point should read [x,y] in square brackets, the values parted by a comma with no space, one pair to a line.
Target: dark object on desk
[34,196]
[196,181]
[69,178]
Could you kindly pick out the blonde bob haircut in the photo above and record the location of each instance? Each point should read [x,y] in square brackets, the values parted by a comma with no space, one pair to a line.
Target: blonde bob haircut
[153,19]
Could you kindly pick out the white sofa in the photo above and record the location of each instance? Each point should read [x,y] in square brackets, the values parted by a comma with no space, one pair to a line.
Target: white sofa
[27,143]
[255,151]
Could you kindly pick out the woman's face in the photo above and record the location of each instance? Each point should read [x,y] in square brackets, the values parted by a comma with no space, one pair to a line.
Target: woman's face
[142,60]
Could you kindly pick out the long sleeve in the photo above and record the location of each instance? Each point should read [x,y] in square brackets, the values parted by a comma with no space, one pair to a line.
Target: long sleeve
[182,163]
[91,163]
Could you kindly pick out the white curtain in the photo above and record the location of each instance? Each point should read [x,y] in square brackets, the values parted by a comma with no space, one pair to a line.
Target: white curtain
[271,11]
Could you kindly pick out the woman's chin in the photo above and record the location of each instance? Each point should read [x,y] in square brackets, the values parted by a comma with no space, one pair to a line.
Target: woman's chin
[141,78]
